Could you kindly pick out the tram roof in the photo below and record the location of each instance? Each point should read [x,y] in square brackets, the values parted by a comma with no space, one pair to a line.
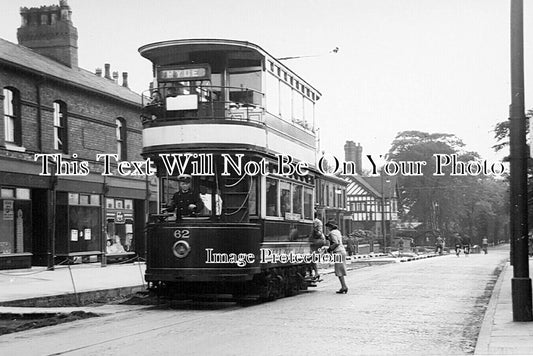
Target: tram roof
[162,52]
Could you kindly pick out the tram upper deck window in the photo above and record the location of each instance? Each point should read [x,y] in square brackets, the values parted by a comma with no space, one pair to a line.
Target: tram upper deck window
[245,85]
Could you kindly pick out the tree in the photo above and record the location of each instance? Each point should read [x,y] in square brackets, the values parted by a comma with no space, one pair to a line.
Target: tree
[445,203]
[502,135]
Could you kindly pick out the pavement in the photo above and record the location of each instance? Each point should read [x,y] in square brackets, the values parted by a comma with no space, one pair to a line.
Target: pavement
[499,334]
[31,290]
[68,285]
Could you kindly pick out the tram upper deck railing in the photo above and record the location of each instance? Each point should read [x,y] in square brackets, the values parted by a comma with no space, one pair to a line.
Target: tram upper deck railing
[165,103]
[202,102]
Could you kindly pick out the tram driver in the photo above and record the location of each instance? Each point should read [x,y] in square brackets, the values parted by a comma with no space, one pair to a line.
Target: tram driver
[186,201]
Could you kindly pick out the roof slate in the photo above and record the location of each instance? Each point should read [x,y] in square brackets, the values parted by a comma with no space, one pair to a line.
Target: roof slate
[20,56]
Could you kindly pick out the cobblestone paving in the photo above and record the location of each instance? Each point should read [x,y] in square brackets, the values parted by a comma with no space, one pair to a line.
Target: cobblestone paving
[430,306]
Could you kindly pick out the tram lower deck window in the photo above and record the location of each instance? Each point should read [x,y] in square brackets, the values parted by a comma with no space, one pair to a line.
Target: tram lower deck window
[272,197]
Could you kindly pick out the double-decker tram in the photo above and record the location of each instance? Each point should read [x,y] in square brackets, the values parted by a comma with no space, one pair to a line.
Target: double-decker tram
[231,132]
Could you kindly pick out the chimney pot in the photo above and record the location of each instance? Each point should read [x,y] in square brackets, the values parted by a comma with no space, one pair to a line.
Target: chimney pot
[115,77]
[107,67]
[98,72]
[125,79]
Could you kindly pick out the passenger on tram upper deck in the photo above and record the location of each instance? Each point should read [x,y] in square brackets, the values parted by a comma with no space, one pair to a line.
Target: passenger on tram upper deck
[155,98]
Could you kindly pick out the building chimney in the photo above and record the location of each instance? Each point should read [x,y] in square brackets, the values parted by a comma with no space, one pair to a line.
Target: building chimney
[359,159]
[48,30]
[125,79]
[349,151]
[353,153]
[115,77]
[98,72]
[107,74]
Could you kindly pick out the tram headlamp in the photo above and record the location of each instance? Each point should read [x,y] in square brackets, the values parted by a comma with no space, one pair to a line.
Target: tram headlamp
[181,249]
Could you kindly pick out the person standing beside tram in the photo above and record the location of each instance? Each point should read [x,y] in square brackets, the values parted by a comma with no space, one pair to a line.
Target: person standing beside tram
[337,248]
[317,241]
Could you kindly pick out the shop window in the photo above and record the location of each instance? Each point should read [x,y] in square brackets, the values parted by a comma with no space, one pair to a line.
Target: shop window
[12,116]
[84,199]
[22,193]
[110,203]
[73,198]
[15,220]
[7,193]
[119,226]
[94,200]
[60,126]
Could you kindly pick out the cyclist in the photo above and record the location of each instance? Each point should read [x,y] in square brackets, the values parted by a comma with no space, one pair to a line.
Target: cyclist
[485,244]
[466,245]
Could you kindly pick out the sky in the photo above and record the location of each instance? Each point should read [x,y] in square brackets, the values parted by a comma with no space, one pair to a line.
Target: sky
[428,65]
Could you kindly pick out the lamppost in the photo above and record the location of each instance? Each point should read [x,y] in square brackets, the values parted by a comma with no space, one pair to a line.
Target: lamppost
[383,232]
[520,283]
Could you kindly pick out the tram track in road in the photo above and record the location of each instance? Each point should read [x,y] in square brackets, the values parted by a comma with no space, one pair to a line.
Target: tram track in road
[181,321]
[105,329]
[116,328]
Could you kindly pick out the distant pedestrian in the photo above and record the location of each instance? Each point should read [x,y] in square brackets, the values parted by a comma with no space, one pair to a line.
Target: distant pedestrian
[337,248]
[400,246]
[458,243]
[439,244]
[485,245]
[412,245]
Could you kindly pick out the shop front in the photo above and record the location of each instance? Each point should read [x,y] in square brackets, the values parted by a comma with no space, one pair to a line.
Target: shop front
[15,227]
[78,226]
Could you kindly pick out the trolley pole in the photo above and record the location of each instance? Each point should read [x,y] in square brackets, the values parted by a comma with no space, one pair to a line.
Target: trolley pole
[521,283]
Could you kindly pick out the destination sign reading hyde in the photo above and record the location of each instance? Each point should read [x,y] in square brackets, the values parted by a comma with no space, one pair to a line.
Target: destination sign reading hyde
[183,73]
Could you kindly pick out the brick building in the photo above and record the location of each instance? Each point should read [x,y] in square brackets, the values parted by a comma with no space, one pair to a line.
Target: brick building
[51,106]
